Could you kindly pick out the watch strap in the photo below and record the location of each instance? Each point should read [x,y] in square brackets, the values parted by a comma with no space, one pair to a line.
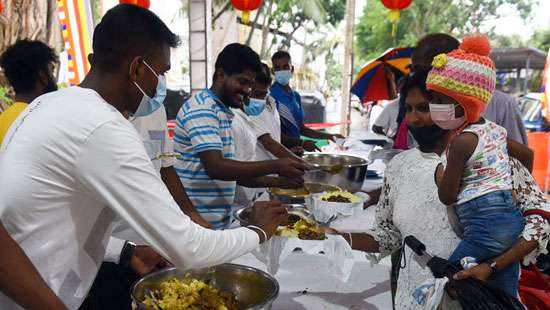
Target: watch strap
[493,264]
[127,253]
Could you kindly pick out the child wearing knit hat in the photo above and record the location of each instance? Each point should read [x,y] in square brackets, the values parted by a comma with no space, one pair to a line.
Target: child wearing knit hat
[477,176]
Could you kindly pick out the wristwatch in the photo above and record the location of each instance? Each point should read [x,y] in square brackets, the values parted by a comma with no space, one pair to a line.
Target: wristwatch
[493,264]
[127,253]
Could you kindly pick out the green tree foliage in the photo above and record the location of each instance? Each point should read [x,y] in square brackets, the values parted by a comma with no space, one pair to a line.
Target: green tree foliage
[373,33]
[308,14]
[334,73]
[514,40]
[541,40]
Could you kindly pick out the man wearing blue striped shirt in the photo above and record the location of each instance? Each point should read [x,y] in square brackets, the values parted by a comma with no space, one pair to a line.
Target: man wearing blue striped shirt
[203,138]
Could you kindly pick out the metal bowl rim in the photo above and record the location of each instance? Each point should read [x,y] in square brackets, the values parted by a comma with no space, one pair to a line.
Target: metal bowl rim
[366,160]
[237,213]
[269,298]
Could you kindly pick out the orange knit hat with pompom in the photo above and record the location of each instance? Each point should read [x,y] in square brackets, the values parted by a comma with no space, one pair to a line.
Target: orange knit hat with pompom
[466,74]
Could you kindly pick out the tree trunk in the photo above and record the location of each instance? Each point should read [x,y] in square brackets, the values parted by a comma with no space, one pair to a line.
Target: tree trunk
[256,18]
[29,19]
[265,29]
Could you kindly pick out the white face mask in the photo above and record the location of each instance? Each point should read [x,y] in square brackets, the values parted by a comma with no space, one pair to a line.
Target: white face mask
[283,76]
[147,104]
[443,115]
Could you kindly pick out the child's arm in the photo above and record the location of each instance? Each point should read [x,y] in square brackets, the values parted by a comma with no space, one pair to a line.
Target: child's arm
[460,150]
[521,152]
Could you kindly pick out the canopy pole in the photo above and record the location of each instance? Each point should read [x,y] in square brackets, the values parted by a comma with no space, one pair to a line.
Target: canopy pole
[200,19]
[526,80]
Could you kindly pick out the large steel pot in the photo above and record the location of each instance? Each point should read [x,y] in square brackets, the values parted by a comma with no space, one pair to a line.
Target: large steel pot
[345,171]
[253,288]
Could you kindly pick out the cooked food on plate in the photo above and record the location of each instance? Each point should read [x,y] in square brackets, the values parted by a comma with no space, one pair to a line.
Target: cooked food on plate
[340,196]
[292,218]
[302,229]
[191,294]
[309,188]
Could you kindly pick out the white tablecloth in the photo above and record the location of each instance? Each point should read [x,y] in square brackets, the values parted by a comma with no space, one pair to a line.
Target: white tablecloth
[303,281]
[305,285]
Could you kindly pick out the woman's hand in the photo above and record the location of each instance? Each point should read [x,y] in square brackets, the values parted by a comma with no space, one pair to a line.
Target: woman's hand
[481,272]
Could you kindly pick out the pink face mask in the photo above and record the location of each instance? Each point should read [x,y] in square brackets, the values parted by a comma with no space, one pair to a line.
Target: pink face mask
[443,115]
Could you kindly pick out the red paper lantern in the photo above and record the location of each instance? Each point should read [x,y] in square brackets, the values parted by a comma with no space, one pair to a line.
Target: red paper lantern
[246,6]
[142,3]
[395,7]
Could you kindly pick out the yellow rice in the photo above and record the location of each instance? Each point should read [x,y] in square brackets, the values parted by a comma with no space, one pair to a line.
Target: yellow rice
[192,294]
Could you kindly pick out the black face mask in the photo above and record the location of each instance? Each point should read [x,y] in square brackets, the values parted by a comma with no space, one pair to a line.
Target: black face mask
[428,137]
[50,87]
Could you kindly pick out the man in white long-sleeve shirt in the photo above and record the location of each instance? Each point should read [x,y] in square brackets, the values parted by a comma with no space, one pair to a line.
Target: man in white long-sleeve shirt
[71,163]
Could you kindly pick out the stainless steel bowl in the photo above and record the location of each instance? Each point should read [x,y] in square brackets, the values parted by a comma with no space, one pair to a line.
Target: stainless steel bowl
[350,177]
[242,215]
[253,288]
[299,196]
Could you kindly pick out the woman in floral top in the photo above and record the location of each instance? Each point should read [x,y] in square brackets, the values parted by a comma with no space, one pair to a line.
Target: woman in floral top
[409,205]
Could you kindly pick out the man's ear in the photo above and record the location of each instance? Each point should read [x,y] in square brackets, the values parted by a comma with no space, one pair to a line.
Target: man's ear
[292,69]
[43,79]
[220,75]
[134,68]
[91,58]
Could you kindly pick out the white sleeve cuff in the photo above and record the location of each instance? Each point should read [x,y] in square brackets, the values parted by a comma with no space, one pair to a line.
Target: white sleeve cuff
[114,250]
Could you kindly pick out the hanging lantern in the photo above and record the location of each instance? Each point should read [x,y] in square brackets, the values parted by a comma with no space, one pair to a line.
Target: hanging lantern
[246,6]
[395,7]
[142,3]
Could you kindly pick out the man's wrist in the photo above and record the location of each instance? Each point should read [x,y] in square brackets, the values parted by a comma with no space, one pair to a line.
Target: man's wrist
[493,265]
[262,235]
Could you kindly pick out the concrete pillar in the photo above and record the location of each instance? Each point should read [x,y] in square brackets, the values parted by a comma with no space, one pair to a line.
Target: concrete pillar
[200,51]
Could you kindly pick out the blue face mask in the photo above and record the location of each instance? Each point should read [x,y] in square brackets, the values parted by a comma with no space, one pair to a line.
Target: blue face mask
[255,107]
[149,105]
[283,77]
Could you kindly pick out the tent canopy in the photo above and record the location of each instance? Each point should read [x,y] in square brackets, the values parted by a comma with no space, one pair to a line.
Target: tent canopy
[514,58]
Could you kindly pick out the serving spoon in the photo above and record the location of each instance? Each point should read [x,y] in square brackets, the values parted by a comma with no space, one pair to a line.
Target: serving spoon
[153,298]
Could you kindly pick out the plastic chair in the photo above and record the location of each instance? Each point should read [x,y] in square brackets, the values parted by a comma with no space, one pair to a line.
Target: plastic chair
[539,143]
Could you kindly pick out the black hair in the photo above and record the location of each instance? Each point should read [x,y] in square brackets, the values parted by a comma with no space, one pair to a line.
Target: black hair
[432,45]
[127,31]
[264,78]
[280,55]
[235,58]
[411,81]
[23,61]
